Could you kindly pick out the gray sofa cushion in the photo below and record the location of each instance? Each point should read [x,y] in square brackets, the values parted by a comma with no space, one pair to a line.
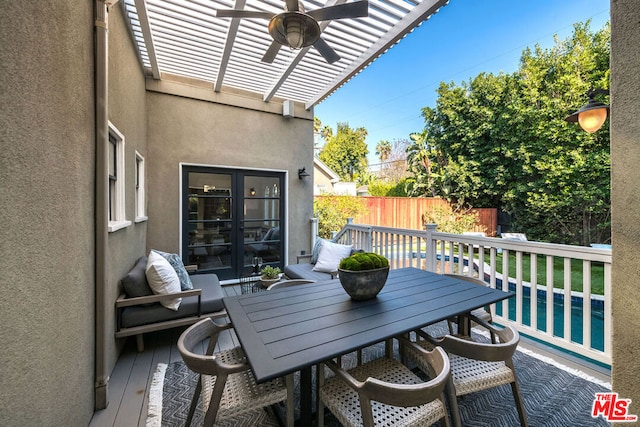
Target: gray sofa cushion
[305,271]
[135,284]
[211,302]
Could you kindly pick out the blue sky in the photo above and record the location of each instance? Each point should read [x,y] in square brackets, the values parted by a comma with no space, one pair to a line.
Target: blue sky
[463,39]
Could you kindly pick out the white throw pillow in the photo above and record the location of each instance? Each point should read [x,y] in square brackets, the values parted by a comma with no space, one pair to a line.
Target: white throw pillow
[330,256]
[163,279]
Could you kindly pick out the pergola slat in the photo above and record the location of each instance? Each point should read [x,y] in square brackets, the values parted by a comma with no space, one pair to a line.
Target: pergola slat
[186,38]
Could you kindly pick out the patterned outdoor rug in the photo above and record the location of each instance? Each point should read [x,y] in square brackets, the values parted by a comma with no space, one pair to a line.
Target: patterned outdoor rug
[554,396]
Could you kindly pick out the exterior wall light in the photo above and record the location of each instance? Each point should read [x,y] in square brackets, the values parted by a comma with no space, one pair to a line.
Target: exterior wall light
[252,191]
[593,114]
[302,173]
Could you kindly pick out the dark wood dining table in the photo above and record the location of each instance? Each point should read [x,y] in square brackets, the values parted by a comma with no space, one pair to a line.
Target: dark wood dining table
[294,328]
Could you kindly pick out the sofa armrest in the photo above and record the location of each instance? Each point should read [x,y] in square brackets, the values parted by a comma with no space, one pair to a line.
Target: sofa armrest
[123,301]
[302,257]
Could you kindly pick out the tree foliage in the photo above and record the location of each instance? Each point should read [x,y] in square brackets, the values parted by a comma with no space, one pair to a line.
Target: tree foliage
[389,189]
[452,220]
[393,158]
[501,141]
[383,150]
[345,152]
[332,212]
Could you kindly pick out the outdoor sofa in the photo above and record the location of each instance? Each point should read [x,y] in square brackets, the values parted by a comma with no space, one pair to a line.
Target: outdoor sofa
[139,310]
[322,263]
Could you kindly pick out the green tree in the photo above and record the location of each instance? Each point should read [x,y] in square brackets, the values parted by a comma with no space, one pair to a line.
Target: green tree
[501,141]
[332,212]
[383,150]
[346,152]
[452,220]
[389,189]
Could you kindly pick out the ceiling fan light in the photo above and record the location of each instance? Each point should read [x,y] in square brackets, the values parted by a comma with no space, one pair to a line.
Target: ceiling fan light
[295,32]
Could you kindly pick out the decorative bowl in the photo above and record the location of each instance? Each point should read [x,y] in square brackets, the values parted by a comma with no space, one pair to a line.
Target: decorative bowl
[364,284]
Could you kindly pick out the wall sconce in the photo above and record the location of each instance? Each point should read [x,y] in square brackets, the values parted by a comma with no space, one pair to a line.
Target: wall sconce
[593,114]
[252,191]
[302,173]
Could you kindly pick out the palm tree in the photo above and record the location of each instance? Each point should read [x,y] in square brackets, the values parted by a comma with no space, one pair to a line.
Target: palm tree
[383,150]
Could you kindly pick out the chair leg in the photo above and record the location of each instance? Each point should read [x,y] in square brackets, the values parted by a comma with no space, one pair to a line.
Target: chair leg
[453,403]
[194,402]
[444,421]
[517,396]
[214,403]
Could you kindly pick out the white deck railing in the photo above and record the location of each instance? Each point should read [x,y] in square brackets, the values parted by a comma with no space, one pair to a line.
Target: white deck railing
[532,313]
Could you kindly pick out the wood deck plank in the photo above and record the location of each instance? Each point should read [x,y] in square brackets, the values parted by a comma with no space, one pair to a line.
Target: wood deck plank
[133,399]
[161,354]
[117,385]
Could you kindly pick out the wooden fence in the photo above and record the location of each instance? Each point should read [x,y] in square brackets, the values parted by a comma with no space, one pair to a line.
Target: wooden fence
[406,212]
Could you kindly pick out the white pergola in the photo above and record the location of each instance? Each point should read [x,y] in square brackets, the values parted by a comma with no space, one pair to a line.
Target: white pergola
[185,38]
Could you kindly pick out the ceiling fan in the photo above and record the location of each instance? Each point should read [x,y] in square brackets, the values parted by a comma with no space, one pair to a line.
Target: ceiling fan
[297,29]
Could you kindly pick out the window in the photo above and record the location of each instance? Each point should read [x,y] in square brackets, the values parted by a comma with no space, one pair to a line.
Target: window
[117,213]
[141,210]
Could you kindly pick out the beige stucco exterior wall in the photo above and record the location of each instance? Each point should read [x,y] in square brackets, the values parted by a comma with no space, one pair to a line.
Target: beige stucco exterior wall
[625,197]
[47,214]
[188,130]
[322,182]
[127,112]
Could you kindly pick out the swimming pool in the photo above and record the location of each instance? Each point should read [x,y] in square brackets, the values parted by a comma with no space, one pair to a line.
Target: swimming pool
[597,315]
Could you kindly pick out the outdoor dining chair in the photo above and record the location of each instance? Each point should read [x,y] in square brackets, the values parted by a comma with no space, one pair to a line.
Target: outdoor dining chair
[290,282]
[226,383]
[478,366]
[483,313]
[384,392]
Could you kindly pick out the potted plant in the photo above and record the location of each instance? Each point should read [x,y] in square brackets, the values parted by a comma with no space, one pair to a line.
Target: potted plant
[363,274]
[270,275]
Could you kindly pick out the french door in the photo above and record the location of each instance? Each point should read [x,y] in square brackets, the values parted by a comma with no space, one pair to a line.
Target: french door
[230,216]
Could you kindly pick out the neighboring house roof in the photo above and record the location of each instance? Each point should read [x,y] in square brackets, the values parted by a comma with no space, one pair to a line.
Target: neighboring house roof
[187,39]
[322,167]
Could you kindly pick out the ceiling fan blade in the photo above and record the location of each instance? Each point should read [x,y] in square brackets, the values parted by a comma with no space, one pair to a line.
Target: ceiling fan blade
[271,52]
[235,13]
[292,5]
[358,9]
[326,51]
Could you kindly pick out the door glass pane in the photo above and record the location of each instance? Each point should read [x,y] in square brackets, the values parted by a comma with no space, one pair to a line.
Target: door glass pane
[210,220]
[262,219]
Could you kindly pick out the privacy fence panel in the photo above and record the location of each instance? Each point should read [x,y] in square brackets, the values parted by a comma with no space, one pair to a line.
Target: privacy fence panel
[406,212]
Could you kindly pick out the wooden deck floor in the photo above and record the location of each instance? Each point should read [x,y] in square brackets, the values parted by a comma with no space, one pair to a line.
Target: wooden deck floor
[131,377]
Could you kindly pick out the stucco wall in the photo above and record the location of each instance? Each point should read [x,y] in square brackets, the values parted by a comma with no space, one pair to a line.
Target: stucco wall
[321,182]
[625,196]
[127,112]
[189,130]
[47,214]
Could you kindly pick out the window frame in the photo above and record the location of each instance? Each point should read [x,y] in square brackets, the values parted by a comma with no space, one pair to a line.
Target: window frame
[117,212]
[141,189]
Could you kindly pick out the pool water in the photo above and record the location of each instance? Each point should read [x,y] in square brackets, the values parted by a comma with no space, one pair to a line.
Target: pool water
[597,315]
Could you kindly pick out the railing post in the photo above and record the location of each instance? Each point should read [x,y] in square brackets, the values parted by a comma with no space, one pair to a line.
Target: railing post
[369,244]
[431,250]
[314,230]
[350,236]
